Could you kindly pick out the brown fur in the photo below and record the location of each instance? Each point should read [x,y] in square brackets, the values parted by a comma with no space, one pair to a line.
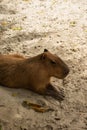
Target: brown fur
[33,73]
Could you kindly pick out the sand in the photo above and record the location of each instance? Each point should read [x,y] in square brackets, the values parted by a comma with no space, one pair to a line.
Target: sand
[29,26]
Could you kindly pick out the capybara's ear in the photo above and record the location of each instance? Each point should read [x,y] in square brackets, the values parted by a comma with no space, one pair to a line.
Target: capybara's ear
[45,50]
[43,56]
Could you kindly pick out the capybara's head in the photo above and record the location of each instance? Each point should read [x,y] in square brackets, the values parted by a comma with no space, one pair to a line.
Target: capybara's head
[55,65]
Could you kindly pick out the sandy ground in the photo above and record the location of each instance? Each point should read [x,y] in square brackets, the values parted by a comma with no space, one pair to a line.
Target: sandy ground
[29,26]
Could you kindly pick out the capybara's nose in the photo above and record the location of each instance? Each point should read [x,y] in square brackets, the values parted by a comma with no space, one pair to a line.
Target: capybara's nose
[66,71]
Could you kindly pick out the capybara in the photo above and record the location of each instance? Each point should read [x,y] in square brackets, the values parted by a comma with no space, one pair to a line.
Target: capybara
[33,73]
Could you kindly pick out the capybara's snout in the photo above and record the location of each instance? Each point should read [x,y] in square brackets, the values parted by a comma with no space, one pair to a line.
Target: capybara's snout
[63,69]
[65,72]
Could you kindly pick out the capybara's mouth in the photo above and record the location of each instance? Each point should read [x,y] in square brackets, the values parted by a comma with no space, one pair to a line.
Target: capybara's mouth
[66,72]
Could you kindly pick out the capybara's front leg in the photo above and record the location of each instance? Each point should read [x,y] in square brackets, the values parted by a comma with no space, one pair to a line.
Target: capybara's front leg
[52,91]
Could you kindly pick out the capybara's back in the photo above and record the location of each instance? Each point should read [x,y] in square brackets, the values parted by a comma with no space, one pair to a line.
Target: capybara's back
[9,67]
[33,73]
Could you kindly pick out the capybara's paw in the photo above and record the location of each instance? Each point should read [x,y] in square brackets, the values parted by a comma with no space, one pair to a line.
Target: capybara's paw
[58,95]
[61,95]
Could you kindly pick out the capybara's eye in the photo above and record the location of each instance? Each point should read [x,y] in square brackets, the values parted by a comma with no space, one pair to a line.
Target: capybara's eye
[53,62]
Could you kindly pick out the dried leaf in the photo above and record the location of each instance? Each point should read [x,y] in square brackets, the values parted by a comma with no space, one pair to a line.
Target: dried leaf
[41,109]
[4,23]
[16,28]
[36,107]
[73,23]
